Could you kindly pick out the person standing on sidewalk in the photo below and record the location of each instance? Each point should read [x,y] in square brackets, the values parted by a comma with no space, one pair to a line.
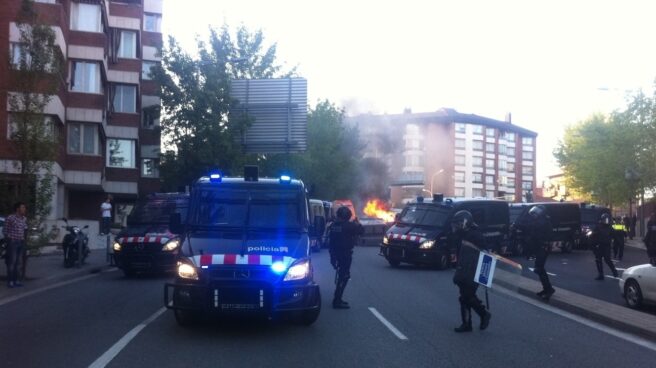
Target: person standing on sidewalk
[601,238]
[650,239]
[106,212]
[14,230]
[539,236]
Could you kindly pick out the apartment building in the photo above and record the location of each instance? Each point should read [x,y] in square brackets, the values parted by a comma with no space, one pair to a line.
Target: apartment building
[106,111]
[460,155]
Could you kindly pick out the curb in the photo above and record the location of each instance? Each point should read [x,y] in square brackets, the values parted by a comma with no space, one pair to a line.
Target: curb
[612,315]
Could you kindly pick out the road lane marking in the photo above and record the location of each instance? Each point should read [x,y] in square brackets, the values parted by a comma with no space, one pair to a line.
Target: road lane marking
[645,343]
[110,354]
[387,324]
[548,273]
[613,277]
[620,269]
[49,287]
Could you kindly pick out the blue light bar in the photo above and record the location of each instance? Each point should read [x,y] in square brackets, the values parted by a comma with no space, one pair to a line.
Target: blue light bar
[285,178]
[279,267]
[215,177]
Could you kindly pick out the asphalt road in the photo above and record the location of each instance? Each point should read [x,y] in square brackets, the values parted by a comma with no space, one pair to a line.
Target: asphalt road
[74,325]
[576,272]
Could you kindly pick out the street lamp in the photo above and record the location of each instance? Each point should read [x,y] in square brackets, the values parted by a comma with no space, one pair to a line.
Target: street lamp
[433,178]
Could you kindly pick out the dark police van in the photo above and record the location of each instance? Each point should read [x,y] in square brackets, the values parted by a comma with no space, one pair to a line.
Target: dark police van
[419,234]
[245,250]
[590,215]
[147,244]
[565,220]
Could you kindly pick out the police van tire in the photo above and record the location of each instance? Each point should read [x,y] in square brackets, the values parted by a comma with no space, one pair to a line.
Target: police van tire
[393,262]
[443,261]
[184,318]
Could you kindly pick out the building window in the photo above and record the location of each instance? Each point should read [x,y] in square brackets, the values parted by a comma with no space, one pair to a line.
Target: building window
[527,170]
[527,141]
[85,77]
[489,164]
[460,127]
[477,178]
[150,117]
[508,136]
[48,131]
[120,153]
[510,152]
[85,17]
[477,161]
[527,155]
[489,132]
[460,160]
[460,143]
[527,185]
[128,45]
[503,180]
[489,147]
[489,179]
[152,22]
[510,167]
[489,194]
[82,139]
[147,68]
[460,177]
[412,144]
[502,149]
[18,53]
[477,192]
[478,129]
[149,168]
[478,145]
[125,98]
[459,192]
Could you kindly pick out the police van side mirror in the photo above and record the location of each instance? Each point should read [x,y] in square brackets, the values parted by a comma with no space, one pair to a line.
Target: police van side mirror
[175,224]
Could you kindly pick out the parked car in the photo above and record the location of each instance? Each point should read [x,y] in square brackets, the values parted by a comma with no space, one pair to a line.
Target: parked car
[565,220]
[638,285]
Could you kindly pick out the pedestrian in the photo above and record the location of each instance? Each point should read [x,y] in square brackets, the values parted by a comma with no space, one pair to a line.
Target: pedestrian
[650,239]
[14,231]
[342,235]
[600,239]
[539,231]
[619,233]
[632,228]
[467,242]
[106,212]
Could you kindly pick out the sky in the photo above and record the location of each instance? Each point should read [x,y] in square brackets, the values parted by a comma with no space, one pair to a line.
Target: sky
[550,63]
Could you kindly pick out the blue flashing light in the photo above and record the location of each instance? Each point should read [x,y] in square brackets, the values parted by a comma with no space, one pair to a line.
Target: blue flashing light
[279,267]
[285,178]
[215,177]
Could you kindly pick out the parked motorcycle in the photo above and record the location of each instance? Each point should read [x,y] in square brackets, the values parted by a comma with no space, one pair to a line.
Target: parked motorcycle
[75,245]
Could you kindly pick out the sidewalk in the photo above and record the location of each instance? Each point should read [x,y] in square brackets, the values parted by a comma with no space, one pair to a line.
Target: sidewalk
[635,243]
[48,268]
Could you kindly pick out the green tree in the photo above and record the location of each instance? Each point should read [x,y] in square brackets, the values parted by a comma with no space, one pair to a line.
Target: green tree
[36,70]
[195,92]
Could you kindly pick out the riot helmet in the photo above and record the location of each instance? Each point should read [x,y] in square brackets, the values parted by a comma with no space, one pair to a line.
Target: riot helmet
[462,221]
[344,213]
[605,219]
[537,211]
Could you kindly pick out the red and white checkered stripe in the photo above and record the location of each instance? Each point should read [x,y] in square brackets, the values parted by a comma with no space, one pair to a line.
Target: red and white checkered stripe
[144,239]
[413,238]
[236,259]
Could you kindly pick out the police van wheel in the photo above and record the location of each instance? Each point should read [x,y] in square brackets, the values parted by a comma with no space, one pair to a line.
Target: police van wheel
[184,318]
[443,262]
[566,247]
[393,262]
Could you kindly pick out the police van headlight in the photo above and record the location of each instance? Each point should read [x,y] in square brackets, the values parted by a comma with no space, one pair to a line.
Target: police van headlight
[385,240]
[171,245]
[117,247]
[187,271]
[429,244]
[298,271]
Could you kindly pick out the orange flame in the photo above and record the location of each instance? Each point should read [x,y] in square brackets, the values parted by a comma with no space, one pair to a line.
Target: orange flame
[378,209]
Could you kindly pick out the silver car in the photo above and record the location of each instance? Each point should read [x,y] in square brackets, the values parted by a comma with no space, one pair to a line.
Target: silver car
[638,285]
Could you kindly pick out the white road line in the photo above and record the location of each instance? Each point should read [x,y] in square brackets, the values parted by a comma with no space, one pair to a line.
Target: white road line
[620,269]
[648,344]
[387,324]
[548,273]
[613,277]
[49,287]
[124,341]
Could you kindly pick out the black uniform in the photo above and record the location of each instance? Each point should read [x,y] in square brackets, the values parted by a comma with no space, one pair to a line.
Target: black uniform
[467,246]
[343,235]
[650,240]
[601,239]
[539,233]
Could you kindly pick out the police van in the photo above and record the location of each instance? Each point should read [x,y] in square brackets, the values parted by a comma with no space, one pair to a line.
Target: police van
[245,250]
[419,234]
[147,244]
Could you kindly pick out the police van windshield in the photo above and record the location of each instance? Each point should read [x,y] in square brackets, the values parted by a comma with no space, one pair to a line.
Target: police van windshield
[515,212]
[255,209]
[158,211]
[425,216]
[590,216]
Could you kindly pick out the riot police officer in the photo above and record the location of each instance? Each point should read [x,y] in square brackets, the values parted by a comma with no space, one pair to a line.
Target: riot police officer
[601,239]
[343,235]
[467,241]
[650,239]
[539,236]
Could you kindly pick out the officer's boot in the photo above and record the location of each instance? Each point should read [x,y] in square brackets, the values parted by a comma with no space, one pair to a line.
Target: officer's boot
[600,270]
[338,303]
[479,308]
[612,267]
[465,314]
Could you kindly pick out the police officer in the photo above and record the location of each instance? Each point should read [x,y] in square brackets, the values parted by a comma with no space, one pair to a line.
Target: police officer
[467,241]
[650,239]
[619,233]
[601,238]
[343,235]
[539,234]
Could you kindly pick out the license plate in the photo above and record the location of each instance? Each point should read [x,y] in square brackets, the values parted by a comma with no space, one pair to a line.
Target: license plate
[238,299]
